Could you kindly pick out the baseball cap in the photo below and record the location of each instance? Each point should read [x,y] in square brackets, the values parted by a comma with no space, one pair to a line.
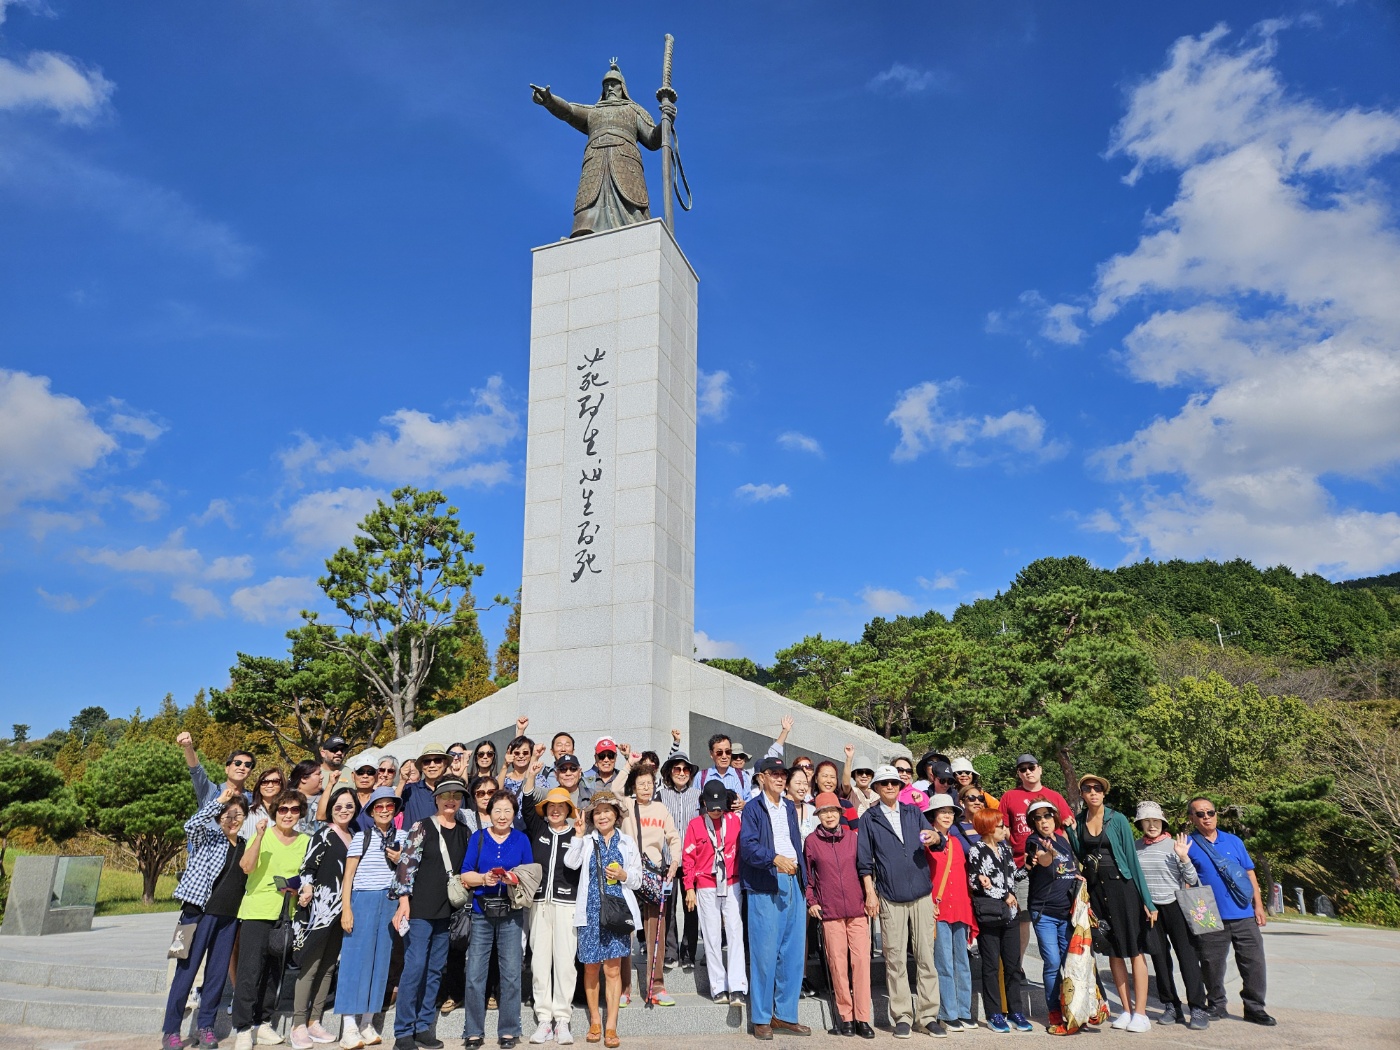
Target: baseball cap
[940,771]
[567,760]
[334,743]
[887,773]
[605,743]
[771,764]
[714,795]
[1027,760]
[366,767]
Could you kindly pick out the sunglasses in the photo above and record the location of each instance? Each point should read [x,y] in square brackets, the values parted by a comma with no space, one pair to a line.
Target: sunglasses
[289,809]
[487,793]
[1203,812]
[485,754]
[241,764]
[904,771]
[434,761]
[972,798]
[367,772]
[387,769]
[721,751]
[334,750]
[457,754]
[1097,789]
[1025,769]
[275,782]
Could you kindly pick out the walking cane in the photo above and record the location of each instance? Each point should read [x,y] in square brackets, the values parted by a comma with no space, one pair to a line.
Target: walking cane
[658,947]
[830,984]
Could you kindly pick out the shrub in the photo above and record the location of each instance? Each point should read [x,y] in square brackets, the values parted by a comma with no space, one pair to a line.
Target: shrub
[1376,907]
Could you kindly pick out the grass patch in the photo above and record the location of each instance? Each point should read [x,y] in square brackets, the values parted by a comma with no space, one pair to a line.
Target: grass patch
[119,892]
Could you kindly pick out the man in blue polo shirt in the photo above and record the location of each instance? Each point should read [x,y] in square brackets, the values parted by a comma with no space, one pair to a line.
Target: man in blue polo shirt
[1215,854]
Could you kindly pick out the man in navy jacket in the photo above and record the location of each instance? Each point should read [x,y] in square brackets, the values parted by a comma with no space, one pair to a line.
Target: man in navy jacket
[892,860]
[773,872]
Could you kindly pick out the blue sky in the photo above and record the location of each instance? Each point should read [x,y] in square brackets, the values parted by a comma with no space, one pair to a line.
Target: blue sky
[976,287]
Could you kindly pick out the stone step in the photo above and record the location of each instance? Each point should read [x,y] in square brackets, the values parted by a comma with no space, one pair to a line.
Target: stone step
[148,979]
[68,1008]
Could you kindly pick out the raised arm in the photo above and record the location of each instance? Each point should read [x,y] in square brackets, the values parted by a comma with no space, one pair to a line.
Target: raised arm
[573,115]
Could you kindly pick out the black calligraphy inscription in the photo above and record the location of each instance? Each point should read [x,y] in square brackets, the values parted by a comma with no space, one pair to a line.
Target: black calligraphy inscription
[589,404]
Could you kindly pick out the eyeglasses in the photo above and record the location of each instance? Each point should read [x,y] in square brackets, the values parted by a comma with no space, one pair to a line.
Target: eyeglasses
[484,754]
[721,751]
[289,809]
[1203,812]
[242,764]
[271,782]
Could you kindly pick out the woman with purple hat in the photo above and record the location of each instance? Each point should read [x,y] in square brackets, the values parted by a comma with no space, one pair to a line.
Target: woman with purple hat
[368,944]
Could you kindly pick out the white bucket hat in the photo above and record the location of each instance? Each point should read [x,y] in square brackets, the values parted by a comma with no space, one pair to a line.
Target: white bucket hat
[961,765]
[887,773]
[1148,811]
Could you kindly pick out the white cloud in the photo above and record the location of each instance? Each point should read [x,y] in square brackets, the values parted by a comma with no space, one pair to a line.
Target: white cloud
[42,522]
[278,599]
[943,581]
[798,442]
[902,79]
[126,422]
[51,81]
[47,440]
[145,506]
[422,450]
[762,493]
[1057,322]
[327,520]
[885,601]
[66,603]
[925,426]
[1270,291]
[171,558]
[200,601]
[218,510]
[707,648]
[713,394]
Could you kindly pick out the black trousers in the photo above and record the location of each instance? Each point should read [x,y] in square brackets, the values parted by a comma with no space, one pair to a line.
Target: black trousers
[259,974]
[1244,936]
[1173,933]
[1001,943]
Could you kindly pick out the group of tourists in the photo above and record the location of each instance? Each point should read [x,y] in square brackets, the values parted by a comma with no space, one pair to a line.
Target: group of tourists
[439,881]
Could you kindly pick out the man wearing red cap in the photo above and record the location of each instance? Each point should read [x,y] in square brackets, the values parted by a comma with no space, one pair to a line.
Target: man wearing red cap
[604,773]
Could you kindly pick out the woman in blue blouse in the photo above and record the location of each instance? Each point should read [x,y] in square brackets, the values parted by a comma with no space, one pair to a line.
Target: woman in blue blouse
[491,854]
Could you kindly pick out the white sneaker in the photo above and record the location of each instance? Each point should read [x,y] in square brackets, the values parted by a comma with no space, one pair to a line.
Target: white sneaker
[301,1039]
[1122,1021]
[369,1035]
[266,1035]
[562,1035]
[1139,1023]
[318,1033]
[544,1033]
[243,1040]
[350,1038]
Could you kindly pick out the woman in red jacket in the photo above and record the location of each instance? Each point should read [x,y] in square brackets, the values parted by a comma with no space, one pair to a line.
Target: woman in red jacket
[834,896]
[709,868]
[952,907]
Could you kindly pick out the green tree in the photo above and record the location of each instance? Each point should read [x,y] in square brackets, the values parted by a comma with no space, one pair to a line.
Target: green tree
[508,652]
[313,693]
[1288,824]
[1233,739]
[397,592]
[139,796]
[1066,681]
[463,674]
[20,733]
[740,667]
[917,684]
[32,795]
[811,670]
[88,721]
[1360,744]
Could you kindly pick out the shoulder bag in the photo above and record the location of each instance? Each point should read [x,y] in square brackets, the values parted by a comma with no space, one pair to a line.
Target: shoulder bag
[613,914]
[183,940]
[281,937]
[653,886]
[1231,872]
[457,895]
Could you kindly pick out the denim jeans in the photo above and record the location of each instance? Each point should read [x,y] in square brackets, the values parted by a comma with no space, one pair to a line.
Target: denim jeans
[954,970]
[424,955]
[777,929]
[1052,936]
[214,935]
[507,934]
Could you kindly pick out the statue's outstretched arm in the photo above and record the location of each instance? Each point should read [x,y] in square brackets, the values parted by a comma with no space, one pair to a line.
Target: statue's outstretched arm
[561,108]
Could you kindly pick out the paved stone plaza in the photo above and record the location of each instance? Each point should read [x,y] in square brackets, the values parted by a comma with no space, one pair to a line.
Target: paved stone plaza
[1329,986]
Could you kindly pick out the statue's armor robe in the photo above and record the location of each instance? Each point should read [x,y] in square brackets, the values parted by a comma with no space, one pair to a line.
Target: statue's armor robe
[612,191]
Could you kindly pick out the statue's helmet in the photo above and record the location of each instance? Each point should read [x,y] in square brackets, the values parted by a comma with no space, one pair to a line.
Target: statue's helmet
[614,75]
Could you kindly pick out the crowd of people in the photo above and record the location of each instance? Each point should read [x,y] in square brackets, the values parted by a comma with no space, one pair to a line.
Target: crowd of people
[458,878]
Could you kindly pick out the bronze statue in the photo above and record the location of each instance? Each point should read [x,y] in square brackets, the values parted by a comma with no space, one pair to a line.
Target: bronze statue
[612,191]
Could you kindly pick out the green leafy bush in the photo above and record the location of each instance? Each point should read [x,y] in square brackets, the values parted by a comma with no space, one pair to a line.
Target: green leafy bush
[1376,907]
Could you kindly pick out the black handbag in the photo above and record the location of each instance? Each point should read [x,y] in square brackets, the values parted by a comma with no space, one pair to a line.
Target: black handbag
[990,911]
[613,914]
[459,927]
[281,937]
[1098,934]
